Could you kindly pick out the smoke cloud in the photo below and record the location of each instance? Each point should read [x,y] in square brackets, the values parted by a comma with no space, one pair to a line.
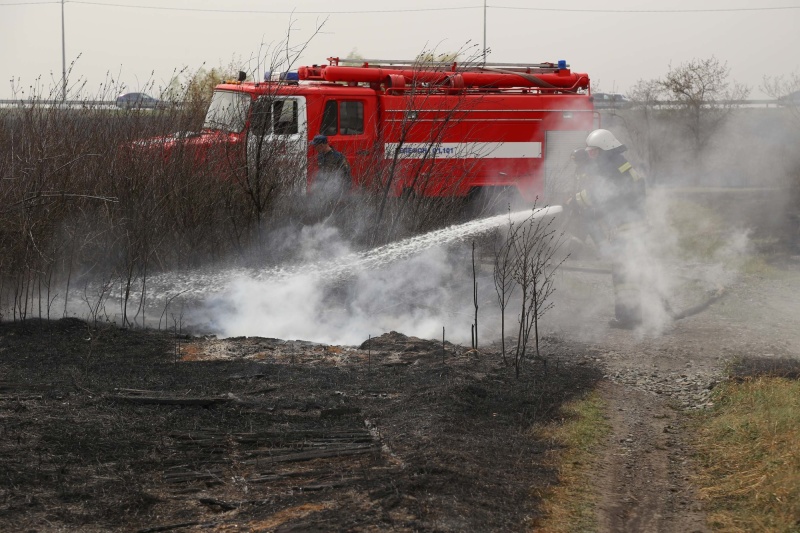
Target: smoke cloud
[411,296]
[337,296]
[694,245]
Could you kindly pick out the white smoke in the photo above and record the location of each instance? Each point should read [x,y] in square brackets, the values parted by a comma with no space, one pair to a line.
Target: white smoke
[409,296]
[679,259]
[338,296]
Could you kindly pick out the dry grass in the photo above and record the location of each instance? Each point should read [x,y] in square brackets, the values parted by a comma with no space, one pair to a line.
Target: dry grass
[85,203]
[750,478]
[570,505]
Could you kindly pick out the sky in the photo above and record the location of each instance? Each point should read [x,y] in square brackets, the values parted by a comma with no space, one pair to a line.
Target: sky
[137,43]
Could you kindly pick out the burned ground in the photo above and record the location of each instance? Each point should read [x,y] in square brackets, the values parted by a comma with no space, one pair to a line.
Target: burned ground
[110,429]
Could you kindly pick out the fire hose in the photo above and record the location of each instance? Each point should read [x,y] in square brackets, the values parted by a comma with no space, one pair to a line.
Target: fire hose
[712,296]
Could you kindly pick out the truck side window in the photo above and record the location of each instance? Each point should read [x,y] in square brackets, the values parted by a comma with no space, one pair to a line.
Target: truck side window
[330,118]
[276,116]
[352,118]
[285,114]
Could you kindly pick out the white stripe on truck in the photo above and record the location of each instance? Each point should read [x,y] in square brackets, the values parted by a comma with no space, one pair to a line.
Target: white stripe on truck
[470,150]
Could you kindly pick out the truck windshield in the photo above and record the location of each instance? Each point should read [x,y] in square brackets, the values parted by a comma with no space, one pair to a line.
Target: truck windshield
[227,111]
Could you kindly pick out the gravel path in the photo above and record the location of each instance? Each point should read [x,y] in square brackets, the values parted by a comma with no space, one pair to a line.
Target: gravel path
[652,382]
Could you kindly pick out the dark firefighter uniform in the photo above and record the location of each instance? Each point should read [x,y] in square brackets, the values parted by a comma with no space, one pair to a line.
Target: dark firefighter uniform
[332,180]
[334,163]
[328,191]
[582,220]
[615,194]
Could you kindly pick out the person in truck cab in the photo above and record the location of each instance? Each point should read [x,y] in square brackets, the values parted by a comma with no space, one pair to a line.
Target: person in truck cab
[616,193]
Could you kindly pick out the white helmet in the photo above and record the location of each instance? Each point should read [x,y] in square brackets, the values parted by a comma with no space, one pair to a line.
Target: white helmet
[602,139]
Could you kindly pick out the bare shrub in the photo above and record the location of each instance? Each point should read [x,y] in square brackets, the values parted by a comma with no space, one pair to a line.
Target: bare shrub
[525,263]
[80,203]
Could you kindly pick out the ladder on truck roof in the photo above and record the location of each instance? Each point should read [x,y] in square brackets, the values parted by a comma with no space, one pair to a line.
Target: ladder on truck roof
[468,65]
[449,77]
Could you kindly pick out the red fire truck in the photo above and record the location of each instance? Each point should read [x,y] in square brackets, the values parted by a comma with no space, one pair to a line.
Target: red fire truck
[432,129]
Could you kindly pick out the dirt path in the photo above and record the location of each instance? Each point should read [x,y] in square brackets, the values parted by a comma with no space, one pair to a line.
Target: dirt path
[644,478]
[653,383]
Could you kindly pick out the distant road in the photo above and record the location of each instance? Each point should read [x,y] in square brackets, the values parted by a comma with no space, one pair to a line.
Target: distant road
[66,103]
[71,104]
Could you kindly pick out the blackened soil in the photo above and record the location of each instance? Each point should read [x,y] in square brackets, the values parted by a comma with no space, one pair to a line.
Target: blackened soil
[108,429]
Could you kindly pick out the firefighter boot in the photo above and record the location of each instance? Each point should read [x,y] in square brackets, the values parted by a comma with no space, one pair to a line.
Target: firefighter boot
[627,298]
[627,317]
[623,323]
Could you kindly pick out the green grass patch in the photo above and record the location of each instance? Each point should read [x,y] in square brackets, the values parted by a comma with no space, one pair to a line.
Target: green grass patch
[701,231]
[750,457]
[579,435]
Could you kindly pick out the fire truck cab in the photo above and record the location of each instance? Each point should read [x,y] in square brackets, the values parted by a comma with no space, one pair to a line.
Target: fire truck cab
[434,129]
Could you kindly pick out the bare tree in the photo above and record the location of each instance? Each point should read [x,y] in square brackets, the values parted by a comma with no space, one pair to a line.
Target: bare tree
[786,90]
[535,245]
[475,298]
[272,165]
[420,206]
[704,95]
[503,276]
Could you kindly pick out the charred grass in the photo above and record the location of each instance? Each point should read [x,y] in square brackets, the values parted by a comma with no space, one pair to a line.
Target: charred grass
[750,464]
[106,429]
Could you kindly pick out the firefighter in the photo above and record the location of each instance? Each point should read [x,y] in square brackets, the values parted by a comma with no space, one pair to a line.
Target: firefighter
[583,221]
[333,165]
[615,194]
[328,192]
